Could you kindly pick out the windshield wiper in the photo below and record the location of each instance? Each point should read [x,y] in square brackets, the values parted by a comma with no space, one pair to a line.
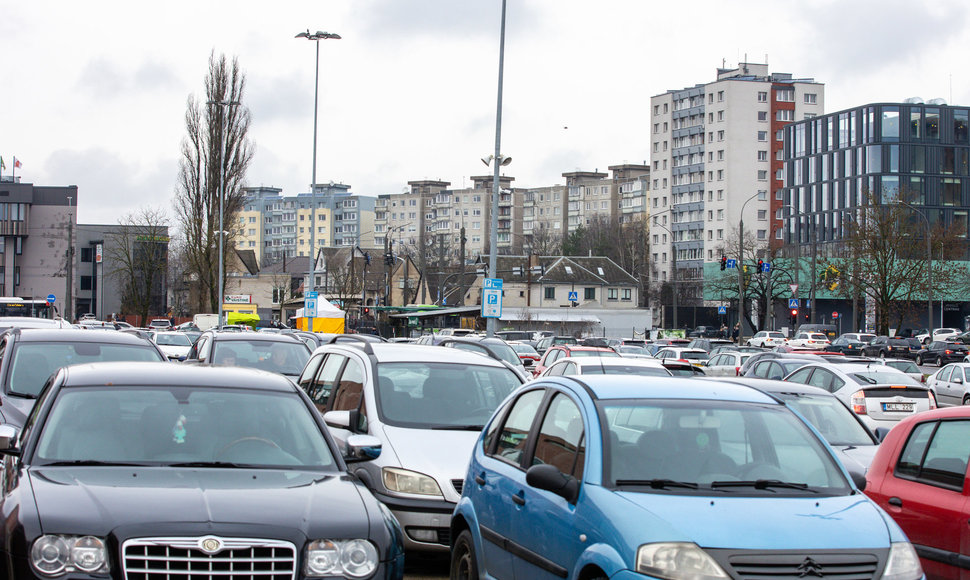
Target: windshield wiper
[762,484]
[94,462]
[457,427]
[24,395]
[209,464]
[658,483]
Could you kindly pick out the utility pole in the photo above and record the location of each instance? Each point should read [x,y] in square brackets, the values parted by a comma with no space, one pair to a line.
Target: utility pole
[461,281]
[68,293]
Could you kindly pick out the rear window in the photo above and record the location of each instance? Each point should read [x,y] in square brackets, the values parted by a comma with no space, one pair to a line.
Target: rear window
[582,353]
[694,355]
[882,377]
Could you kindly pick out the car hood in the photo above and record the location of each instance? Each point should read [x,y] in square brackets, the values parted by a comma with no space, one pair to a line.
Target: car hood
[812,523]
[102,499]
[442,454]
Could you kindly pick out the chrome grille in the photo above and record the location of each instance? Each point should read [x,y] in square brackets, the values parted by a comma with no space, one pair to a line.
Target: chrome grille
[457,484]
[838,566]
[185,559]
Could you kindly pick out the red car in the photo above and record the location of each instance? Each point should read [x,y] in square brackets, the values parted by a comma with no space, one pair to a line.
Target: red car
[919,476]
[559,351]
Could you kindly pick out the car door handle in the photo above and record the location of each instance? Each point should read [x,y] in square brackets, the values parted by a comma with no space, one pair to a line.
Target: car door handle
[518,499]
[895,501]
[480,479]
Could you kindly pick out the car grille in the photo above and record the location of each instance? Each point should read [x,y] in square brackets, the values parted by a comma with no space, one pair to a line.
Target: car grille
[185,559]
[838,566]
[457,484]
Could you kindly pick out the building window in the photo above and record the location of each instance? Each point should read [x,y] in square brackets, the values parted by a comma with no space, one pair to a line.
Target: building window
[763,97]
[720,135]
[762,135]
[762,175]
[611,294]
[720,96]
[762,115]
[811,98]
[549,292]
[627,294]
[785,115]
[785,95]
[762,234]
[85,282]
[762,156]
[762,214]
[87,254]
[589,294]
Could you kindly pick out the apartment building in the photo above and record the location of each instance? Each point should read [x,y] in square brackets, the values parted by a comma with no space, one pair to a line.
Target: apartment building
[717,149]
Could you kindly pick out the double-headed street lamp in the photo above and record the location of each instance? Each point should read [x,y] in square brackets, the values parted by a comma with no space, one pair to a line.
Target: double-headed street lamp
[929,275]
[499,160]
[316,37]
[740,265]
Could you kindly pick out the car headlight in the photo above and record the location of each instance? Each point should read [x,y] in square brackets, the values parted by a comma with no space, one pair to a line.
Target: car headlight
[351,558]
[903,563]
[54,555]
[404,481]
[677,561]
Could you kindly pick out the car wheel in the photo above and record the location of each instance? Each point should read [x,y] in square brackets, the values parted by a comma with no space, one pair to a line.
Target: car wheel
[464,564]
[939,361]
[966,399]
[919,360]
[882,354]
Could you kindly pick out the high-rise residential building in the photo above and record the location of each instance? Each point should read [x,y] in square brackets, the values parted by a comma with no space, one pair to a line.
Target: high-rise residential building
[717,148]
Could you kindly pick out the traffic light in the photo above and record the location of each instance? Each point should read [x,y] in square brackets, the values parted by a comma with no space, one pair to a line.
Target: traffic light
[723,262]
[367,258]
[761,265]
[366,311]
[389,258]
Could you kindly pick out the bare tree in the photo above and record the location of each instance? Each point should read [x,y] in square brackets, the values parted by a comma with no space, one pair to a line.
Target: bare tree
[216,151]
[627,244]
[139,252]
[545,242]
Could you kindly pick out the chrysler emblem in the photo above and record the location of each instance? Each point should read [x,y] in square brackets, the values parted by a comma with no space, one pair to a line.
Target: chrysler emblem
[210,545]
[810,568]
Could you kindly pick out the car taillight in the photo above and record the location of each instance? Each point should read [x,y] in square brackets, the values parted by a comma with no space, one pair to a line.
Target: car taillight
[947,352]
[932,399]
[858,402]
[737,371]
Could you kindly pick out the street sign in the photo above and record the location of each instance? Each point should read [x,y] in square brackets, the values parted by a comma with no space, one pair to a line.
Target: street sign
[98,253]
[835,315]
[731,263]
[722,309]
[794,288]
[310,304]
[492,298]
[51,298]
[766,267]
[793,302]
[574,296]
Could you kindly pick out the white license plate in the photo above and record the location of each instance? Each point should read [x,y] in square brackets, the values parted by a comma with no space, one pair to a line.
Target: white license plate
[900,407]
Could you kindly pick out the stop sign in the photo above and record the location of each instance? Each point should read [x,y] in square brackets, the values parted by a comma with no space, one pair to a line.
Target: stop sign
[835,315]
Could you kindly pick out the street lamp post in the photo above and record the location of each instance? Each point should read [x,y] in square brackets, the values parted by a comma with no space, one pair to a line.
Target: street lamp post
[499,162]
[929,275]
[814,242]
[316,37]
[223,105]
[673,266]
[740,265]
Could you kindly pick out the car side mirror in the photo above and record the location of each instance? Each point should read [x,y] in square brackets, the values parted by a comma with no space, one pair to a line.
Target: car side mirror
[958,381]
[337,419]
[362,447]
[881,433]
[549,478]
[8,440]
[859,479]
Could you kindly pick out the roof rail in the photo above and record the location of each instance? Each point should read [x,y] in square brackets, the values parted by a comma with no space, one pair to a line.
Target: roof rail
[361,342]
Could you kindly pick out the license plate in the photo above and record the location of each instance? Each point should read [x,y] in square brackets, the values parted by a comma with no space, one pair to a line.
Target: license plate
[900,407]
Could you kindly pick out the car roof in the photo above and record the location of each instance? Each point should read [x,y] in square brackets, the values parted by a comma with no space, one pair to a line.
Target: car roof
[253,337]
[612,360]
[404,352]
[167,373]
[607,387]
[74,335]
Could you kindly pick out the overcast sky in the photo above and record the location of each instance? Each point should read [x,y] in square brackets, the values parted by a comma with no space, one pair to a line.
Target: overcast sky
[94,93]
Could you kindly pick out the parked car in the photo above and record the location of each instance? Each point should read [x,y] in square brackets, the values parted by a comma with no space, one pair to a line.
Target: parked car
[863,337]
[495,348]
[940,352]
[427,405]
[655,346]
[284,354]
[607,366]
[829,330]
[938,334]
[509,335]
[545,342]
[679,368]
[847,346]
[708,344]
[160,324]
[767,338]
[776,368]
[854,443]
[633,477]
[903,365]
[175,345]
[704,332]
[814,340]
[156,470]
[568,350]
[527,354]
[885,346]
[919,476]
[950,384]
[29,356]
[632,351]
[726,364]
[880,395]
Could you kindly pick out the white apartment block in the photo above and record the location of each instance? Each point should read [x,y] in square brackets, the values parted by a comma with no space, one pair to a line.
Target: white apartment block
[715,148]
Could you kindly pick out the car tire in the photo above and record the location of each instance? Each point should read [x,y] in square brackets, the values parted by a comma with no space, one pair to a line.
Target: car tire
[464,564]
[919,360]
[966,399]
[939,361]
[882,354]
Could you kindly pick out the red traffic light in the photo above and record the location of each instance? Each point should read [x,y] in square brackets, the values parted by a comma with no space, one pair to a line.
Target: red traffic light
[794,312]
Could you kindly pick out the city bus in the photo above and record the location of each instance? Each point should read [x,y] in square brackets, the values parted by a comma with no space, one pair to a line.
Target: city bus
[31,308]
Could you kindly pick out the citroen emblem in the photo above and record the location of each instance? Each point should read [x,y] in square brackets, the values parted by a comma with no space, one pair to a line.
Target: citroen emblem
[810,568]
[210,545]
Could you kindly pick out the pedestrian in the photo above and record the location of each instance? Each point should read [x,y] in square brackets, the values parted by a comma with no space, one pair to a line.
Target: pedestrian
[723,333]
[737,332]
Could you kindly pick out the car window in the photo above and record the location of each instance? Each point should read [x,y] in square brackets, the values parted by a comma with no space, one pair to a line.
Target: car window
[944,375]
[350,388]
[822,379]
[832,419]
[555,370]
[321,387]
[514,436]
[801,376]
[937,453]
[560,442]
[306,377]
[33,362]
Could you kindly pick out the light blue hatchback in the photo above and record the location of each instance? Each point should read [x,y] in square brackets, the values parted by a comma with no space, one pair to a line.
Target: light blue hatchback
[641,477]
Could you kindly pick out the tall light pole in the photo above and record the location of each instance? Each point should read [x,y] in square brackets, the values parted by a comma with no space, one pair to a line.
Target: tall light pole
[740,265]
[929,275]
[499,162]
[316,37]
[814,242]
[223,141]
[673,263]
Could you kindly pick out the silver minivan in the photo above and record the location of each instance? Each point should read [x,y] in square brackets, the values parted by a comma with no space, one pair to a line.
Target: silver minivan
[427,405]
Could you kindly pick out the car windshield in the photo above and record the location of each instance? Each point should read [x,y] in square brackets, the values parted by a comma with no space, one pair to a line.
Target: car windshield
[877,377]
[33,362]
[423,395]
[178,424]
[172,340]
[580,353]
[285,358]
[712,447]
[832,419]
[775,335]
[564,340]
[616,369]
[506,353]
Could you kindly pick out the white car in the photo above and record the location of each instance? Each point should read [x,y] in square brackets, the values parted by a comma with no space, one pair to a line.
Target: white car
[906,366]
[938,334]
[950,384]
[767,338]
[695,356]
[726,364]
[596,365]
[815,340]
[174,345]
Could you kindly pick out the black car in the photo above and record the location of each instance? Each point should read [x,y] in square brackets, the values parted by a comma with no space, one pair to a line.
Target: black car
[160,470]
[705,332]
[940,352]
[284,354]
[845,346]
[28,356]
[889,347]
